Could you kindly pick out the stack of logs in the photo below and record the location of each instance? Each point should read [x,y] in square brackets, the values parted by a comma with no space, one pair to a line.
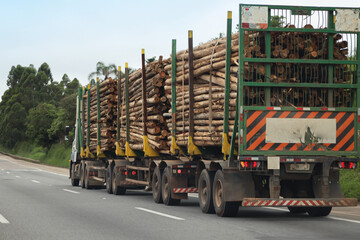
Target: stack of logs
[157,105]
[209,85]
[108,101]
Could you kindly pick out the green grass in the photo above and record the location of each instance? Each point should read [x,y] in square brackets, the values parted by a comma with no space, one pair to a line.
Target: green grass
[350,183]
[58,154]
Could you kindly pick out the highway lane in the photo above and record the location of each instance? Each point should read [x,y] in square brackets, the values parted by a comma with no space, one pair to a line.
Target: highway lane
[38,204]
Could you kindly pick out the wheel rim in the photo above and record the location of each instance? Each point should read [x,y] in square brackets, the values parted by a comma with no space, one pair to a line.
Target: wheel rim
[218,193]
[203,191]
[166,187]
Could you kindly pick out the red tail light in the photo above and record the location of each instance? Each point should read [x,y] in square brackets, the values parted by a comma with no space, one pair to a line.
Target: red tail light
[347,165]
[249,164]
[133,172]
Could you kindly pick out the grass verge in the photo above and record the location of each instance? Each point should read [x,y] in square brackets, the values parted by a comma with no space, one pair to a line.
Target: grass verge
[58,154]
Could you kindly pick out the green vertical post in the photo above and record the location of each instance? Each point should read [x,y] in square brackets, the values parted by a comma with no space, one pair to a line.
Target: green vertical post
[240,92]
[88,121]
[98,117]
[174,146]
[225,140]
[331,57]
[79,129]
[127,103]
[118,106]
[268,65]
[128,151]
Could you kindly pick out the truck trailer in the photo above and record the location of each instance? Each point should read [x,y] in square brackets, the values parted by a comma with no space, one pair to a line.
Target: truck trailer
[267,116]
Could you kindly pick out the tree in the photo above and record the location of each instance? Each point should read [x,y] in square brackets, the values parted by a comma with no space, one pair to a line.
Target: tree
[277,21]
[38,121]
[12,125]
[152,59]
[103,70]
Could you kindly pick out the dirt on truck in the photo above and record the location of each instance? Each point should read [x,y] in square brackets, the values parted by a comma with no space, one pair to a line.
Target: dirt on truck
[266,116]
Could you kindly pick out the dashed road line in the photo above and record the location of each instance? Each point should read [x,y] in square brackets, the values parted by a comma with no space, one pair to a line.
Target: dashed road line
[8,172]
[70,191]
[3,220]
[17,176]
[35,181]
[159,213]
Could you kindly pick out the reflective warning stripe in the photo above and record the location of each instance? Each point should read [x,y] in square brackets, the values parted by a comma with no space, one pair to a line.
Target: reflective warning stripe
[260,202]
[256,131]
[185,190]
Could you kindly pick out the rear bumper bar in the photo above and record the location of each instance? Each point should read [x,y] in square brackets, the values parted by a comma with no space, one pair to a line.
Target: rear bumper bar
[298,202]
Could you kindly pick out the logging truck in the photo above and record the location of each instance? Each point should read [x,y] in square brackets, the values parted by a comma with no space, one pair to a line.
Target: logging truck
[267,116]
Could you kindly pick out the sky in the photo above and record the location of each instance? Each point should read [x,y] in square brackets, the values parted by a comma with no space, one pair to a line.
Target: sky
[73,35]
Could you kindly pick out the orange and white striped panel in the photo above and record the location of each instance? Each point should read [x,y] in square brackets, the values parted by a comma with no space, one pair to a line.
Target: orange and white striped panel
[256,131]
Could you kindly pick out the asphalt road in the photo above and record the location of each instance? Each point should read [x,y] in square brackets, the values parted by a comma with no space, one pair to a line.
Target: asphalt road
[38,203]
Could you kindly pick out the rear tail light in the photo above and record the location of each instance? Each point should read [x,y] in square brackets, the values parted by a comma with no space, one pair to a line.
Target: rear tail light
[347,165]
[249,164]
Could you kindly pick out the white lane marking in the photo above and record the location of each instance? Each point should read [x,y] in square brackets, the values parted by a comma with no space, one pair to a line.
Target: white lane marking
[159,213]
[17,176]
[71,191]
[3,220]
[344,219]
[8,172]
[2,169]
[35,181]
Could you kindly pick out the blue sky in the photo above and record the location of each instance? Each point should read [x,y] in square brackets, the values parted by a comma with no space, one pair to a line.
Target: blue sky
[73,35]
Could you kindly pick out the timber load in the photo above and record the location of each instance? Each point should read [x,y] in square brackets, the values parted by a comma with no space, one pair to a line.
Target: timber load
[107,120]
[209,92]
[156,104]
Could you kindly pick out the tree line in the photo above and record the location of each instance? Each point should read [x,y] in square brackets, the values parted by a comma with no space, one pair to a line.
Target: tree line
[36,108]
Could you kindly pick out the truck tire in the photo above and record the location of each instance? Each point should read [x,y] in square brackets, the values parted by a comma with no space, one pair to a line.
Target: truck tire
[166,189]
[297,210]
[82,178]
[319,211]
[74,181]
[109,180]
[222,208]
[205,186]
[156,185]
[86,178]
[116,189]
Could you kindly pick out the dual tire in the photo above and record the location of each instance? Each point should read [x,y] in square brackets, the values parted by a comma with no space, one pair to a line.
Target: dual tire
[161,187]
[211,195]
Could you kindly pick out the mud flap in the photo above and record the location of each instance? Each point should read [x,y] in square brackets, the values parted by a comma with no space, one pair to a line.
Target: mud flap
[178,182]
[333,185]
[238,185]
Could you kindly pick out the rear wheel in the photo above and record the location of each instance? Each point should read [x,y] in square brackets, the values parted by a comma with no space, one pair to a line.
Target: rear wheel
[109,179]
[319,211]
[206,181]
[166,189]
[156,185]
[74,181]
[297,210]
[222,208]
[117,190]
